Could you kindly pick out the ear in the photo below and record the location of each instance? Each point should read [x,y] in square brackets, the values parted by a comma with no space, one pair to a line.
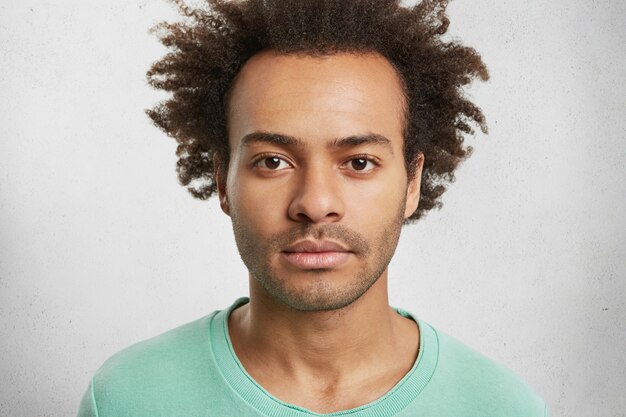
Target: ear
[221,184]
[413,187]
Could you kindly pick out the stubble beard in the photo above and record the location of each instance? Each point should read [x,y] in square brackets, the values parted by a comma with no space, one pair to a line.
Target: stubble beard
[320,293]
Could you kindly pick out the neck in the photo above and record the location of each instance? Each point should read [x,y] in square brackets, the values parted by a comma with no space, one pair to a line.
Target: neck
[362,340]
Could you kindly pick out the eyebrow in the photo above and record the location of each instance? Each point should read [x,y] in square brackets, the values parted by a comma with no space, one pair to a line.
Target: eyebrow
[291,141]
[367,139]
[271,138]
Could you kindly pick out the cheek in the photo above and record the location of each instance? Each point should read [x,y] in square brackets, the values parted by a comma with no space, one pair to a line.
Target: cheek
[257,203]
[379,197]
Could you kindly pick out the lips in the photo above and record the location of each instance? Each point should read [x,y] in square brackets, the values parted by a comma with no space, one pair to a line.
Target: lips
[310,254]
[313,246]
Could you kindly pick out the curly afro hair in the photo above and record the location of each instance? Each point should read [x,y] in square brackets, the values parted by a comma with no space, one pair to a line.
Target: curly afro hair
[211,44]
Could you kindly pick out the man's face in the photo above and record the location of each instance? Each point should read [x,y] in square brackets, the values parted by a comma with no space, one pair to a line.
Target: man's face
[316,186]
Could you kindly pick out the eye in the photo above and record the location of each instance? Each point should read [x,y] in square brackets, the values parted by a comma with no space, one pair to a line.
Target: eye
[273,163]
[361,164]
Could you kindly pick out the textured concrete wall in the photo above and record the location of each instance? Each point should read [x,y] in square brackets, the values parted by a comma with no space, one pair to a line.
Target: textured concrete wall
[99,246]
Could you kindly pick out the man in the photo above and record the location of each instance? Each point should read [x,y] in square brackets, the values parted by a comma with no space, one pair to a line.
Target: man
[323,126]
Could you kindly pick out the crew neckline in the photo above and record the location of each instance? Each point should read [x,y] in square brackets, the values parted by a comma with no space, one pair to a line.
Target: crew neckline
[396,399]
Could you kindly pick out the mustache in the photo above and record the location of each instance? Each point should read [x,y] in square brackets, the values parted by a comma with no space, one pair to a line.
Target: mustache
[349,238]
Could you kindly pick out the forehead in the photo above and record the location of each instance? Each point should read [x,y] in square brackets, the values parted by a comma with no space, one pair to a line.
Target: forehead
[317,98]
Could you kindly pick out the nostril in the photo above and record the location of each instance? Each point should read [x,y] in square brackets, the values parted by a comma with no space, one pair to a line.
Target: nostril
[303,217]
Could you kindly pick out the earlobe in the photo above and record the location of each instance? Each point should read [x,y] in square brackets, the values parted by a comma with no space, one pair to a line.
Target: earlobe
[414,187]
[224,205]
[221,184]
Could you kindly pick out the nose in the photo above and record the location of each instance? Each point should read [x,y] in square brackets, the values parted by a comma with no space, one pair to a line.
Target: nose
[317,198]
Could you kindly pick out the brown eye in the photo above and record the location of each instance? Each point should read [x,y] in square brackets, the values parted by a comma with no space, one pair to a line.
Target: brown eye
[359,164]
[273,163]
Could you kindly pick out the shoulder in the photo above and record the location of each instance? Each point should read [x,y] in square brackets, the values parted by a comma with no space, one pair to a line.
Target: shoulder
[173,363]
[155,355]
[486,385]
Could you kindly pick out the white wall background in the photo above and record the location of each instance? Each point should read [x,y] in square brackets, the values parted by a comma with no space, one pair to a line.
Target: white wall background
[100,247]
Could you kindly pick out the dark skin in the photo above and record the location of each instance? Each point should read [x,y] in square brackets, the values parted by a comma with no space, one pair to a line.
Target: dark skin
[207,50]
[288,337]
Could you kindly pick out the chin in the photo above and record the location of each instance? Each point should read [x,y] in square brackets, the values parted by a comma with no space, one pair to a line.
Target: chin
[319,290]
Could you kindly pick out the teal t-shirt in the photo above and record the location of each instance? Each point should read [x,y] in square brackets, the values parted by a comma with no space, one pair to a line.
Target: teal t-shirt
[192,371]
